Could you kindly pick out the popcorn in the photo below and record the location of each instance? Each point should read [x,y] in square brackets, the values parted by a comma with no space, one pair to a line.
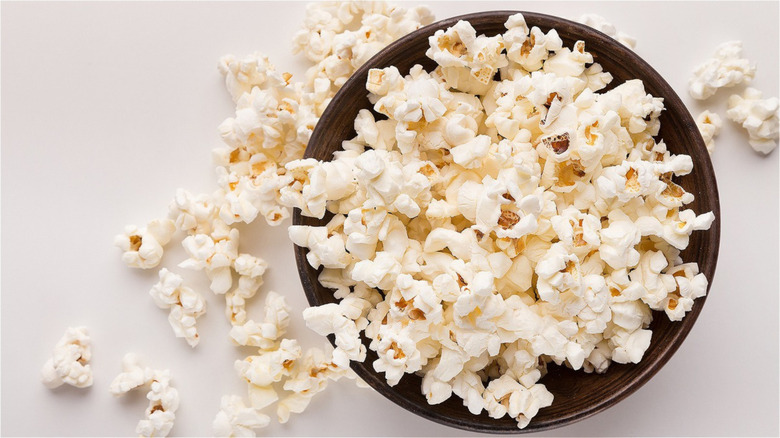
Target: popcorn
[726,68]
[163,398]
[709,125]
[533,50]
[269,366]
[274,325]
[506,396]
[236,419]
[242,75]
[618,241]
[213,253]
[629,347]
[251,270]
[185,305]
[330,319]
[69,361]
[536,221]
[602,25]
[193,214]
[459,46]
[758,116]
[486,225]
[143,247]
[261,173]
[310,376]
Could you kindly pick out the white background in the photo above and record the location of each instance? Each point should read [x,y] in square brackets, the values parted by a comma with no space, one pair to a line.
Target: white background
[107,108]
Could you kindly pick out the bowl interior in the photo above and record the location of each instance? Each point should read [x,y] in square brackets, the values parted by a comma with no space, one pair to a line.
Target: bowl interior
[577,394]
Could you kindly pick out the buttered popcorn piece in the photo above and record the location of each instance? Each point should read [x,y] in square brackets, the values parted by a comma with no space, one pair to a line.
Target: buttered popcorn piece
[163,398]
[726,68]
[758,116]
[602,25]
[541,222]
[709,125]
[143,247]
[70,360]
[185,305]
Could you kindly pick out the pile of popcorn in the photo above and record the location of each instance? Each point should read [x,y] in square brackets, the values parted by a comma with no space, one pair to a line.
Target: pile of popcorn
[482,228]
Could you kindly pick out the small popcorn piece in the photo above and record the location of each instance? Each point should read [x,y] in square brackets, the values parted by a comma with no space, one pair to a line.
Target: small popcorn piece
[185,305]
[726,68]
[143,247]
[758,116]
[709,125]
[251,270]
[310,376]
[214,253]
[602,25]
[330,319]
[505,396]
[193,214]
[235,419]
[241,75]
[267,367]
[163,398]
[69,361]
[274,325]
[133,375]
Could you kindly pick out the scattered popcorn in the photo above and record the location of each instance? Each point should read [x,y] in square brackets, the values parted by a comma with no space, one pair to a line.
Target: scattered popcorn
[235,419]
[69,361]
[758,116]
[709,125]
[143,247]
[602,25]
[726,68]
[490,226]
[185,305]
[163,398]
[260,175]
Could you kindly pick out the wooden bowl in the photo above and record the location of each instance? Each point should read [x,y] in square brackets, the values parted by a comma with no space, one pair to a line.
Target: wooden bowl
[578,395]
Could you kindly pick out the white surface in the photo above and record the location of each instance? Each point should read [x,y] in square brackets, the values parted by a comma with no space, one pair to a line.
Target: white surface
[108,108]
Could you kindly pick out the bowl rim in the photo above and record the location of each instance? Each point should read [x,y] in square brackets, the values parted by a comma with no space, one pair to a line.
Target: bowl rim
[672,104]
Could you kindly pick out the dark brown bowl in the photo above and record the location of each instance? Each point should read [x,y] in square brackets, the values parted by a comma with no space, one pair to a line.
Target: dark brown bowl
[578,395]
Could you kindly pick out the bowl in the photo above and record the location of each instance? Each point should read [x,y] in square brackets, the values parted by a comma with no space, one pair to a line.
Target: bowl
[578,395]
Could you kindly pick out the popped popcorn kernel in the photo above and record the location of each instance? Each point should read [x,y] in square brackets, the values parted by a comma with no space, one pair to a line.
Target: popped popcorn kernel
[70,360]
[143,247]
[758,116]
[726,68]
[163,398]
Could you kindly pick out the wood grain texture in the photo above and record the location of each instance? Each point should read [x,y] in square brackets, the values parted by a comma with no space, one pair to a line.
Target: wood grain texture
[578,395]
